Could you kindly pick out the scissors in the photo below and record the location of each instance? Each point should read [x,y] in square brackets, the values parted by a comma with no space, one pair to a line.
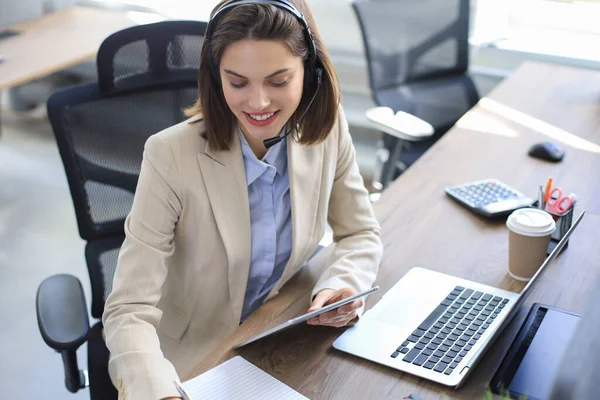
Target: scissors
[557,203]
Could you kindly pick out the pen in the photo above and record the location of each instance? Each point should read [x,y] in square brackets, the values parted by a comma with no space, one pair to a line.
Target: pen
[547,194]
[184,395]
[541,198]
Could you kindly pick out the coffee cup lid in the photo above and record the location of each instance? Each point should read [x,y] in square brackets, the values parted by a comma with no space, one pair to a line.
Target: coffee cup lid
[531,222]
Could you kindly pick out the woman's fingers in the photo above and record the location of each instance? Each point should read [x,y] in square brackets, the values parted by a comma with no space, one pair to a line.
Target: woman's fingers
[337,321]
[340,316]
[348,308]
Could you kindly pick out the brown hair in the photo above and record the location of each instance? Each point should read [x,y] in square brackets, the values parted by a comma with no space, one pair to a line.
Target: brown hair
[265,22]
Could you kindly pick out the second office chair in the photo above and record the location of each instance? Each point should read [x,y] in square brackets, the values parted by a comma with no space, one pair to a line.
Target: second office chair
[417,56]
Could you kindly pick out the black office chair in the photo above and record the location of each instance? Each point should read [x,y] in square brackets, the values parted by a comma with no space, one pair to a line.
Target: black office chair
[146,76]
[417,56]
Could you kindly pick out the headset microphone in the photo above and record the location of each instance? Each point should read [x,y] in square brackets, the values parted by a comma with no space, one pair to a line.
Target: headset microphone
[274,140]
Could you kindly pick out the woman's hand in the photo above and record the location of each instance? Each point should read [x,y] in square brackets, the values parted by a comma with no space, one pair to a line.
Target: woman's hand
[342,315]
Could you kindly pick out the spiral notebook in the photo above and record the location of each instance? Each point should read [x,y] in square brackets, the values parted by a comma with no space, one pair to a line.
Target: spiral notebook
[238,379]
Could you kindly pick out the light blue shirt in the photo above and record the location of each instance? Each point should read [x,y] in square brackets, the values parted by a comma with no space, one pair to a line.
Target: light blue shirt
[270,219]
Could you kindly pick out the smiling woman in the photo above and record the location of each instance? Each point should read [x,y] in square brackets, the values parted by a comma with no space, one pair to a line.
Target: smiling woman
[231,203]
[297,45]
[261,94]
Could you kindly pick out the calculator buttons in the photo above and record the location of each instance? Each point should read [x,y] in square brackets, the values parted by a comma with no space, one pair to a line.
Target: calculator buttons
[489,197]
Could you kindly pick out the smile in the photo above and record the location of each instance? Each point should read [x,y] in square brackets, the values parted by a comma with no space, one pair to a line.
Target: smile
[262,119]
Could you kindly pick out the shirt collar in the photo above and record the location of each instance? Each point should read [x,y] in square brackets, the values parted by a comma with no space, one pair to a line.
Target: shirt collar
[276,156]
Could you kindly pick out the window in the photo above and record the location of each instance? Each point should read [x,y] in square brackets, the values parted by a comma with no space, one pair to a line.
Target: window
[560,28]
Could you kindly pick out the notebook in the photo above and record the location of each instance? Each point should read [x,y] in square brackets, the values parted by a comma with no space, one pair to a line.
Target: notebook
[238,379]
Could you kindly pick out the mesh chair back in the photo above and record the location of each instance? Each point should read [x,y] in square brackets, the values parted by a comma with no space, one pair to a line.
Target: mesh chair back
[407,40]
[149,55]
[101,130]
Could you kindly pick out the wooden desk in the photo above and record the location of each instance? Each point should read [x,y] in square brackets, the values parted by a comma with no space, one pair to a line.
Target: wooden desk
[422,227]
[538,102]
[56,41]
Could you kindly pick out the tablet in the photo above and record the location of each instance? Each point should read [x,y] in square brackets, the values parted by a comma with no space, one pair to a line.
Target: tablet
[306,317]
[536,354]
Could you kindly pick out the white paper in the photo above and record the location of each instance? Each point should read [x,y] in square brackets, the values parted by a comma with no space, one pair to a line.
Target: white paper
[238,379]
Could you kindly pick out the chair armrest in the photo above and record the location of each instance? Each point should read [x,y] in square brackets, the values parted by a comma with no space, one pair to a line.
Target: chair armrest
[64,323]
[402,125]
[61,312]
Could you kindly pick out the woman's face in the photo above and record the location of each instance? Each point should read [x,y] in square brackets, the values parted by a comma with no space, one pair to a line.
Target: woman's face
[262,83]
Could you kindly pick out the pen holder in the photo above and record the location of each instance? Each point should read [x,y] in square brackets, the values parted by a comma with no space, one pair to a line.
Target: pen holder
[563,223]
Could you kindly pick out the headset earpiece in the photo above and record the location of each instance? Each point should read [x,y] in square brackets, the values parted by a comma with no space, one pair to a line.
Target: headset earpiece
[283,4]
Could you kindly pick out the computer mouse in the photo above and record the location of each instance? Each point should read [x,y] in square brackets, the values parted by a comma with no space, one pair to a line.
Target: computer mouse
[549,151]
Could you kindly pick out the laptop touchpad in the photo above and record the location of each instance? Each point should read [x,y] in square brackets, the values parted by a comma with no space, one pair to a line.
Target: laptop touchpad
[406,311]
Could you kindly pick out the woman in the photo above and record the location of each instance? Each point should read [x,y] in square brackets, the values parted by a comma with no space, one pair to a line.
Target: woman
[219,221]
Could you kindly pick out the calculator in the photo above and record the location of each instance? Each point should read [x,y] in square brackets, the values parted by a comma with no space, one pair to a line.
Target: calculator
[488,197]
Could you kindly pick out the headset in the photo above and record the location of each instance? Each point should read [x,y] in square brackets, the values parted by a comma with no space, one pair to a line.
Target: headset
[313,73]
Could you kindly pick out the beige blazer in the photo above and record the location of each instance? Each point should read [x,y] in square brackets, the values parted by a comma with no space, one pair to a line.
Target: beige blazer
[182,271]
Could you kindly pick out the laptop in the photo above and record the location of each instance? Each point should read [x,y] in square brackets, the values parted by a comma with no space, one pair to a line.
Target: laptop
[436,326]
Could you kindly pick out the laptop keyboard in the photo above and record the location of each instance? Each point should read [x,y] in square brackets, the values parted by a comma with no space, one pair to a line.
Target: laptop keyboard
[447,335]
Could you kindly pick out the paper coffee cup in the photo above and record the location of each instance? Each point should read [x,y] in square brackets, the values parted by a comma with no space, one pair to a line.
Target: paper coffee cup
[529,233]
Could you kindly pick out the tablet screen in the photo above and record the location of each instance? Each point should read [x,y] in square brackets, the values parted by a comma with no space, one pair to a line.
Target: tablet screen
[307,316]
[535,357]
[535,375]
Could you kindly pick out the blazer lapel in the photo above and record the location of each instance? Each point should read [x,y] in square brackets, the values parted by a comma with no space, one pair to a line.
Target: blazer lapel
[305,166]
[225,179]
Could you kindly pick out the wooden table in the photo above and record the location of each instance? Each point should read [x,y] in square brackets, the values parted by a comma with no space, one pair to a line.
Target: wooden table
[422,227]
[56,41]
